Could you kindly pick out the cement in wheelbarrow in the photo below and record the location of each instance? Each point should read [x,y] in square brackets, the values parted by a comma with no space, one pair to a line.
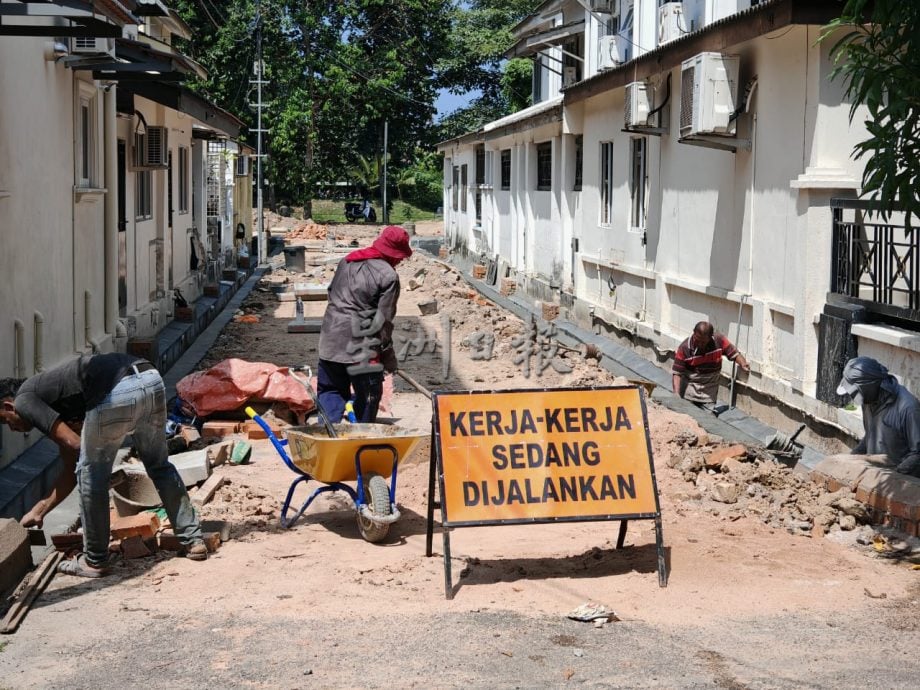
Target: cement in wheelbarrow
[333,459]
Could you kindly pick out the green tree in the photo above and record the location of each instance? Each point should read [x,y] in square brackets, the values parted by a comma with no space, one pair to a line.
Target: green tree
[878,56]
[480,35]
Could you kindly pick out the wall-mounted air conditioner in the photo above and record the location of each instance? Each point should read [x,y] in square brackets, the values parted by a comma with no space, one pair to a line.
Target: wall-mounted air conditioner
[671,23]
[90,45]
[708,94]
[152,149]
[130,31]
[611,52]
[637,105]
[569,76]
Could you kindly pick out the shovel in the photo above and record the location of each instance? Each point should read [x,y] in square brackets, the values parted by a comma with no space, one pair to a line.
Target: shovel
[305,382]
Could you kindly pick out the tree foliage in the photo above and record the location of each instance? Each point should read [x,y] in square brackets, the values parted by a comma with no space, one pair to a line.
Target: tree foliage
[337,70]
[878,56]
[480,35]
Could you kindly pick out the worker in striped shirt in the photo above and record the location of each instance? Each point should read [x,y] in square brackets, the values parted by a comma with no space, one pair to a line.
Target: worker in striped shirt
[698,364]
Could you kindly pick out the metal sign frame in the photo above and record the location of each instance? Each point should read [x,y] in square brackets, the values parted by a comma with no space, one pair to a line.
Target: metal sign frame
[436,470]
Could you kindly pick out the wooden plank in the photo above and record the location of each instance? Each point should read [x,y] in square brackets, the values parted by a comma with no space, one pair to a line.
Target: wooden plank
[207,490]
[39,579]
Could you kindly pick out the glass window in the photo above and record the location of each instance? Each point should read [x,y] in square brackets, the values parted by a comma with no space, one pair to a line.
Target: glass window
[579,161]
[455,188]
[545,166]
[506,169]
[638,181]
[480,164]
[143,193]
[183,179]
[464,189]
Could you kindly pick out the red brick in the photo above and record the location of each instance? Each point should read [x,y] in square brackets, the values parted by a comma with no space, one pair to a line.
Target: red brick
[219,429]
[134,547]
[169,542]
[253,431]
[719,455]
[67,542]
[144,525]
[550,311]
[242,261]
[189,433]
[443,253]
[211,540]
[145,348]
[479,271]
[212,290]
[508,286]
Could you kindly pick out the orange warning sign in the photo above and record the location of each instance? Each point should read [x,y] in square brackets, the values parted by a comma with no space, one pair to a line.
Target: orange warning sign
[536,455]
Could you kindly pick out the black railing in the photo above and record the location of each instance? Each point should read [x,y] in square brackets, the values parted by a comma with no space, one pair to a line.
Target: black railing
[876,262]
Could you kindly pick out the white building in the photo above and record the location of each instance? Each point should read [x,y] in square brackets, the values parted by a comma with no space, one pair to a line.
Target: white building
[686,161]
[103,183]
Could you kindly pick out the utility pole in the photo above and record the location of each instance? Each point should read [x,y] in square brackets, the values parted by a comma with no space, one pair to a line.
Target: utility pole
[258,81]
[385,214]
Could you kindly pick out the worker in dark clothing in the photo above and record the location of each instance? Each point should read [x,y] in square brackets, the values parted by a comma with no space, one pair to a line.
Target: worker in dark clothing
[891,414]
[355,342]
[112,395]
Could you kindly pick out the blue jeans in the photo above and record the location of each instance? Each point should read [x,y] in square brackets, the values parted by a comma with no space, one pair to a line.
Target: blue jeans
[333,388]
[136,405]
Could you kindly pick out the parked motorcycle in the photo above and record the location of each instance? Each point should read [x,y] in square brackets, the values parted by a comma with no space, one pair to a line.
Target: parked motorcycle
[356,210]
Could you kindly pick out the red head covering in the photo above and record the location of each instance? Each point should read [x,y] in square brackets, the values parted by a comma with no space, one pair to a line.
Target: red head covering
[392,245]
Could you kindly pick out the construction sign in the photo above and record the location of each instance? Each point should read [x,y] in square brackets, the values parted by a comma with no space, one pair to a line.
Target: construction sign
[531,456]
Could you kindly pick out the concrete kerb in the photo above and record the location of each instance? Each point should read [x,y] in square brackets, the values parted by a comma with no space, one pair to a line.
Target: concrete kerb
[621,361]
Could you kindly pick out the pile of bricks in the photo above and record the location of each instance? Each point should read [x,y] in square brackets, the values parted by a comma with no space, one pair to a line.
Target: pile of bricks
[508,286]
[308,230]
[479,271]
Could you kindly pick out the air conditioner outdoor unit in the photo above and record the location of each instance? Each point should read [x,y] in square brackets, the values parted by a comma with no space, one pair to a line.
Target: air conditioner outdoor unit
[708,94]
[569,76]
[155,153]
[90,45]
[129,31]
[671,23]
[638,104]
[611,52]
[604,6]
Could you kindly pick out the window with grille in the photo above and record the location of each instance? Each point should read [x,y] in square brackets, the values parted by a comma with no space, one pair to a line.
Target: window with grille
[579,162]
[506,169]
[480,165]
[215,175]
[545,166]
[455,188]
[606,179]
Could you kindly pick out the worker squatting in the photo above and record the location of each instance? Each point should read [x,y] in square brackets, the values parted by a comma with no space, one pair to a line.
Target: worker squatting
[551,454]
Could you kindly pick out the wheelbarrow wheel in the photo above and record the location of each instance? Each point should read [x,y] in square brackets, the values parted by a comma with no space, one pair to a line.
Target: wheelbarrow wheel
[377,497]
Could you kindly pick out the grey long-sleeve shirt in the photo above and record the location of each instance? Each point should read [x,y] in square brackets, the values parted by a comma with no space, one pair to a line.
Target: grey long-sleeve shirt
[359,291]
[893,429]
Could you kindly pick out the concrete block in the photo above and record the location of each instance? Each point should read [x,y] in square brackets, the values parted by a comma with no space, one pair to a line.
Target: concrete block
[312,292]
[194,466]
[219,453]
[310,325]
[189,433]
[15,553]
[429,307]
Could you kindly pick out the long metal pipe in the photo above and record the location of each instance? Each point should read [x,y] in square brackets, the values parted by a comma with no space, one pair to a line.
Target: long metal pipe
[38,344]
[19,343]
[110,248]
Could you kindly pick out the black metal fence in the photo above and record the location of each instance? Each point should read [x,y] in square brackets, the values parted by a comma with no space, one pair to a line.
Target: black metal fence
[876,262]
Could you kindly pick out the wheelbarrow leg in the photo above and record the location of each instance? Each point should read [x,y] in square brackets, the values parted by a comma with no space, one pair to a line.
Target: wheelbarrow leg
[306,504]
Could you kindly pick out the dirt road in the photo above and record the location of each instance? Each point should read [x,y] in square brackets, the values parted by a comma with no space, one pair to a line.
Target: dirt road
[754,599]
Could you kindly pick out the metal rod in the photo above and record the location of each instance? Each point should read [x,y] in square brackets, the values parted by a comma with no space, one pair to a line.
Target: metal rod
[415,384]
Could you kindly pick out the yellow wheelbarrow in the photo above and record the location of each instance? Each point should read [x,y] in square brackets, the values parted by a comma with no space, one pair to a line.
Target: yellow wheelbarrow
[367,454]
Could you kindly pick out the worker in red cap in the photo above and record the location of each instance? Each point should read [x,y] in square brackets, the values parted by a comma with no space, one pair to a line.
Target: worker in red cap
[355,342]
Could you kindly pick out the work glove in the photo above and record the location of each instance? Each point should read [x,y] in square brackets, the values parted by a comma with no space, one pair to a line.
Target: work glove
[388,360]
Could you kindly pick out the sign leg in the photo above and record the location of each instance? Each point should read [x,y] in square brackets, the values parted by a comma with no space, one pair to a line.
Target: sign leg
[448,580]
[432,470]
[659,544]
[621,537]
